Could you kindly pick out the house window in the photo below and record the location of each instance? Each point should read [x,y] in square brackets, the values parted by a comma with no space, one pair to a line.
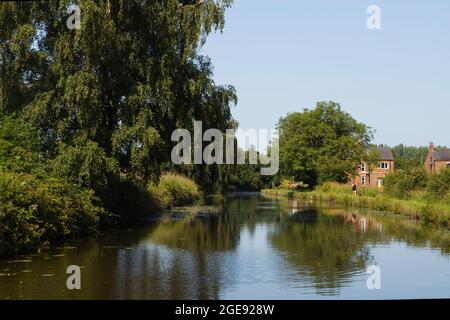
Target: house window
[383,165]
[363,167]
[363,180]
[380,182]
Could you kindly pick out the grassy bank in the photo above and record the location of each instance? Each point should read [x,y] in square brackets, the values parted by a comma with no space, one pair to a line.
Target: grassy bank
[432,212]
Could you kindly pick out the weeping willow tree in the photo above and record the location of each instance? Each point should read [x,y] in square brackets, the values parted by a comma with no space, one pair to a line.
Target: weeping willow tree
[109,94]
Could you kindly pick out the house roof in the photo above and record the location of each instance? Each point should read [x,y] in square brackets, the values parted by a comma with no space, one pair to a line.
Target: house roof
[442,154]
[385,153]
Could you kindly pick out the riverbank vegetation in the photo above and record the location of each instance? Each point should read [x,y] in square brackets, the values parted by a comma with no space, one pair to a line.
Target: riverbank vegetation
[320,151]
[48,200]
[86,116]
[421,205]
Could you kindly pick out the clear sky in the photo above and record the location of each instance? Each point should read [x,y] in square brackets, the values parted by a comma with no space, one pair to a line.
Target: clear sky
[284,55]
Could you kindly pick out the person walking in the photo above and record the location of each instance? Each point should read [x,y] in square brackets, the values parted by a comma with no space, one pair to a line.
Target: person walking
[354,189]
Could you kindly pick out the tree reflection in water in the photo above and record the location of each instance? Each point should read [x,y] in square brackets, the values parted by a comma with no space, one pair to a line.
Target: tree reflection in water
[332,256]
[290,248]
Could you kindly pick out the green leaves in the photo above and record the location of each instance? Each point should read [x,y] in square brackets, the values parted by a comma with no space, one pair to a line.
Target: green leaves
[125,80]
[18,145]
[402,183]
[34,210]
[439,185]
[409,157]
[321,144]
[86,164]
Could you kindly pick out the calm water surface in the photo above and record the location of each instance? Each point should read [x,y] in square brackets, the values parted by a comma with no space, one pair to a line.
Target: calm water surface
[257,248]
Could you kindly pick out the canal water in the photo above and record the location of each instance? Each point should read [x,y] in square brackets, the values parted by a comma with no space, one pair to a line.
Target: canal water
[254,248]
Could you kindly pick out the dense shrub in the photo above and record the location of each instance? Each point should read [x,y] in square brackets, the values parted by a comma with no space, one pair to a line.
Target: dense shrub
[33,210]
[73,192]
[402,183]
[18,145]
[182,190]
[439,184]
[36,204]
[87,164]
[161,198]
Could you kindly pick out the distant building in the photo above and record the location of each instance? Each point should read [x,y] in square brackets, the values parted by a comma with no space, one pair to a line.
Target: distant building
[437,159]
[374,178]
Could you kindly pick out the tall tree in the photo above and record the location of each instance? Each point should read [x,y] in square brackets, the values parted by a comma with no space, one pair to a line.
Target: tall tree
[321,144]
[124,81]
[409,157]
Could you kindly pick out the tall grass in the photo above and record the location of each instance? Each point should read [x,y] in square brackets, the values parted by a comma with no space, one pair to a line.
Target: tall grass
[173,189]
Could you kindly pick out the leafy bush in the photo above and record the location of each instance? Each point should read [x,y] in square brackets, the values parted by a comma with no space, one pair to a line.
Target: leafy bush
[426,214]
[439,184]
[402,183]
[34,210]
[161,198]
[73,193]
[18,145]
[182,190]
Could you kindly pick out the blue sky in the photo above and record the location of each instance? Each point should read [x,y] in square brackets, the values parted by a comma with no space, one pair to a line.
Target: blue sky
[285,55]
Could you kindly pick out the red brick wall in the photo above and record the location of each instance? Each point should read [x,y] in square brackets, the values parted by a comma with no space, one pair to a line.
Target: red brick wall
[375,174]
[432,165]
[439,165]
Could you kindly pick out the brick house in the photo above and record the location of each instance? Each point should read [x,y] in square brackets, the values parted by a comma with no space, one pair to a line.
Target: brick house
[374,178]
[437,159]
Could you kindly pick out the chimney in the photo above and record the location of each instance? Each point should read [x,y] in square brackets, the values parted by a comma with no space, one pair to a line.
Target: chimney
[431,147]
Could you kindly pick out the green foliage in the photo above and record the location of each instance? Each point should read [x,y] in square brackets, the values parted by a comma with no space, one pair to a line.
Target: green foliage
[172,189]
[344,189]
[35,210]
[87,164]
[125,81]
[401,183]
[323,144]
[292,185]
[248,177]
[426,214]
[35,205]
[439,185]
[96,108]
[136,147]
[333,187]
[161,198]
[181,189]
[285,183]
[18,145]
[409,157]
